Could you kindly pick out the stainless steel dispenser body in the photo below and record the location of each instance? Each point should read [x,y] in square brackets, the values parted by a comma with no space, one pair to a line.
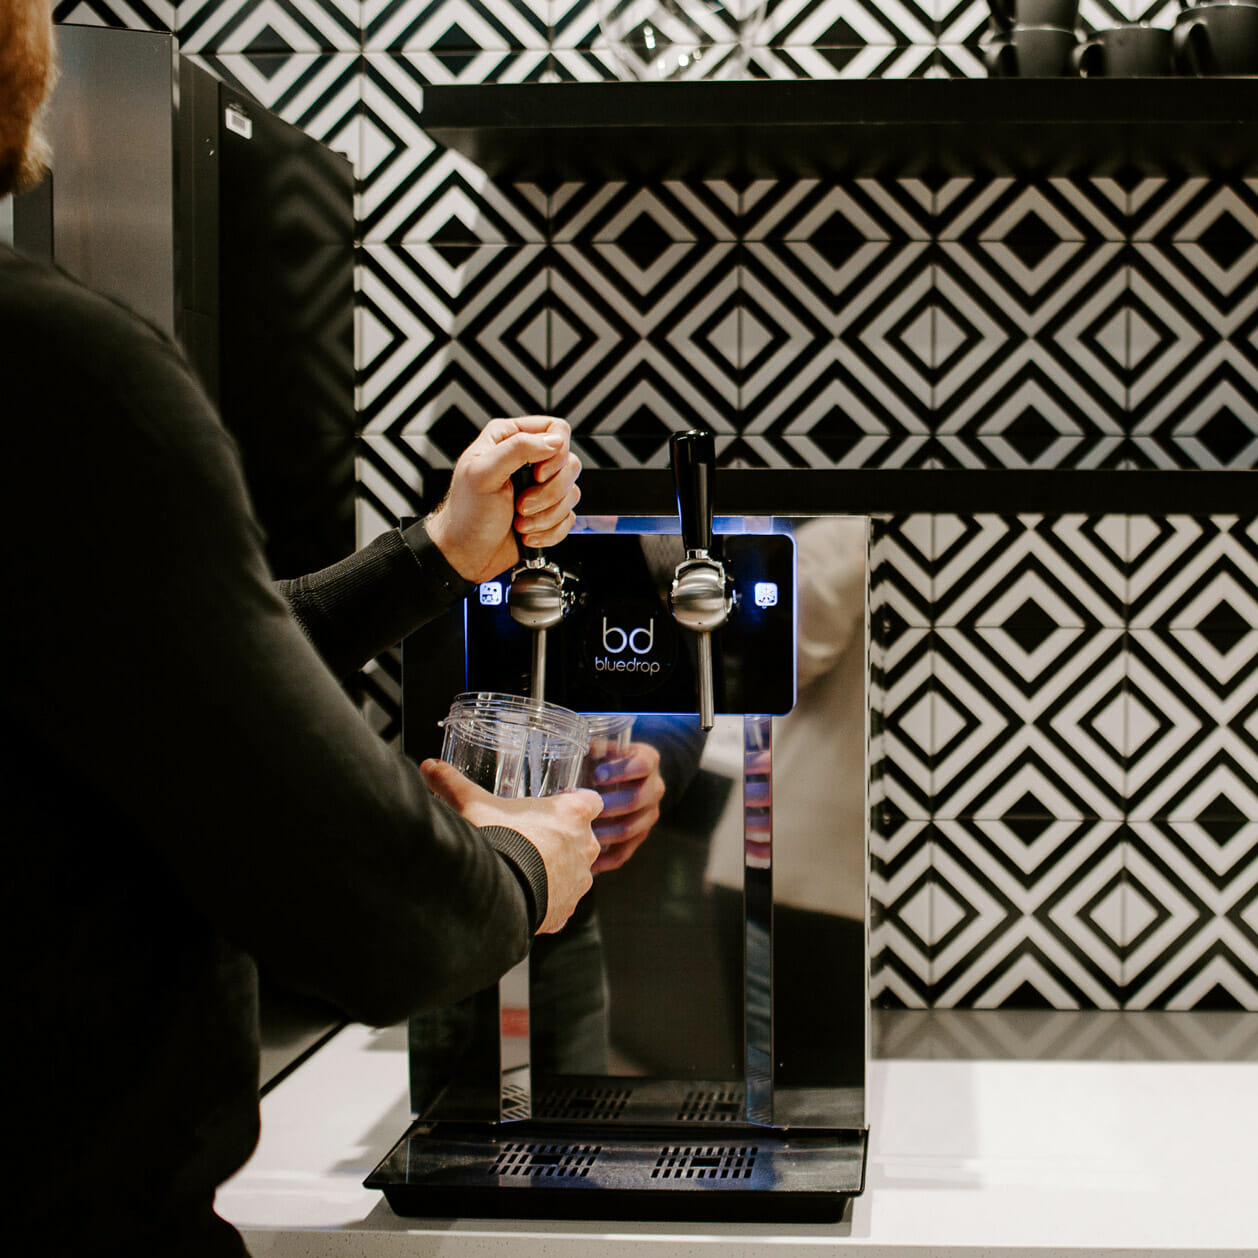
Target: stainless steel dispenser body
[652,1064]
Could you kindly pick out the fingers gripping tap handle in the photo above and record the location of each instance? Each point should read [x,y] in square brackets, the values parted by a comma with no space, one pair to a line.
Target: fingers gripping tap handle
[694,459]
[536,595]
[521,479]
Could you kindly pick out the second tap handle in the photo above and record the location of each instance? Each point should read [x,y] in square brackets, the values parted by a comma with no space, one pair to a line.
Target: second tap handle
[521,479]
[694,460]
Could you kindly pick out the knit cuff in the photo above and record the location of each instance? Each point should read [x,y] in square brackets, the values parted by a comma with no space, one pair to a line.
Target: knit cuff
[527,862]
[434,565]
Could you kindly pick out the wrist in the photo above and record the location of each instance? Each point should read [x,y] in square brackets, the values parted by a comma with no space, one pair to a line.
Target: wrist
[445,540]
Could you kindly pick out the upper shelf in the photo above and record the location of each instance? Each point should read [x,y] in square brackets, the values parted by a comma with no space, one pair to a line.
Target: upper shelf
[869,127]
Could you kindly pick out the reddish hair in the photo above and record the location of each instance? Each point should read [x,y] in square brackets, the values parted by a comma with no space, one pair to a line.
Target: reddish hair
[26,74]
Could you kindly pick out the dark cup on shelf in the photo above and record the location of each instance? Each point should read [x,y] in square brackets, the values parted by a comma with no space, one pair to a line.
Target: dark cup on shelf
[1130,51]
[1010,13]
[1032,52]
[1213,39]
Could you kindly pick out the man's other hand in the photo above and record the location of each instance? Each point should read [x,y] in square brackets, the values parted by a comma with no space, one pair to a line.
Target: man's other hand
[475,526]
[631,787]
[559,826]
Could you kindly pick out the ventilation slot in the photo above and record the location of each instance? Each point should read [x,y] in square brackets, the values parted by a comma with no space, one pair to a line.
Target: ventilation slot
[582,1103]
[705,1162]
[722,1106]
[555,1161]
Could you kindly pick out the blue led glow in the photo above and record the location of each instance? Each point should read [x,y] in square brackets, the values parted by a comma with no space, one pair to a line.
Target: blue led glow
[766,594]
[491,593]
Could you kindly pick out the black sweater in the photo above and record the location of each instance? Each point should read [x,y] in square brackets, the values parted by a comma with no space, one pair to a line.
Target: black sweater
[187,791]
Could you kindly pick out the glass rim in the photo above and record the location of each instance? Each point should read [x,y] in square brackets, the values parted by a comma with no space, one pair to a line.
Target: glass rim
[494,719]
[603,723]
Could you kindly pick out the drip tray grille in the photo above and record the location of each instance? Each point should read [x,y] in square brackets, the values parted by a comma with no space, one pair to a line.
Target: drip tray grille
[547,1169]
[595,1104]
[723,1105]
[705,1162]
[552,1160]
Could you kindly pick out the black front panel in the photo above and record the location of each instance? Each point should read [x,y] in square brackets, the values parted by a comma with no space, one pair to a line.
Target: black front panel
[619,649]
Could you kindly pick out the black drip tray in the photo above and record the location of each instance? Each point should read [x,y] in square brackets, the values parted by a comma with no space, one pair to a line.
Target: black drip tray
[702,1171]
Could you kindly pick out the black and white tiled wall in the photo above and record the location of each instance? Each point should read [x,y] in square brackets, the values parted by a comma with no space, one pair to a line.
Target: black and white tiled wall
[1066,726]
[1065,709]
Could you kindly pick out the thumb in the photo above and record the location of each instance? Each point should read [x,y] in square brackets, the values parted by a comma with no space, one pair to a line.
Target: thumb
[448,784]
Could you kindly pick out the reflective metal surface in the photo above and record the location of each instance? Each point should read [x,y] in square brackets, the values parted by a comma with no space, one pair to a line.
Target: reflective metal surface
[537,601]
[701,597]
[117,94]
[708,1001]
[515,1089]
[758,906]
[232,231]
[536,597]
[701,602]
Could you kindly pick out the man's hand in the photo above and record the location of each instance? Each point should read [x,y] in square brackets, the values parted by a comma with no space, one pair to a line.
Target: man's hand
[631,787]
[557,825]
[473,526]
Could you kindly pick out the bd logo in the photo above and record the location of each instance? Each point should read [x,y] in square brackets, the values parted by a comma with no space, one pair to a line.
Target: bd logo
[630,646]
[617,640]
[638,642]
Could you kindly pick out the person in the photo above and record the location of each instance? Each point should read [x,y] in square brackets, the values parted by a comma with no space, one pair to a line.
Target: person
[189,793]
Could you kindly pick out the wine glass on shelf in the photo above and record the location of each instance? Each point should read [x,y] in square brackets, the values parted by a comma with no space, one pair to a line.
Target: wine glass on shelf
[659,40]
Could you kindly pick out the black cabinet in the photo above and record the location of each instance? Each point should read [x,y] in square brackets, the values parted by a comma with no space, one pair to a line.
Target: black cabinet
[233,232]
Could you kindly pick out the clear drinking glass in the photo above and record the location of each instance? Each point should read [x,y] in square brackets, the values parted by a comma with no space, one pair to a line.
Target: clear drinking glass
[680,39]
[610,736]
[513,746]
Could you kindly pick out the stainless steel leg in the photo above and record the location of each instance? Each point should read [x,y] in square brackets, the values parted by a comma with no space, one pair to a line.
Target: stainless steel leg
[758,905]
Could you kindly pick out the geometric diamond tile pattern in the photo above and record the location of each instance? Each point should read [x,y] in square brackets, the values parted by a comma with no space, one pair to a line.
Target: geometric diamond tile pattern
[1067,719]
[1064,729]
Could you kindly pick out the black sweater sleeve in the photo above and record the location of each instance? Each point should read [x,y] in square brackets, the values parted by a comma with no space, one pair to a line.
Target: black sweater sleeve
[367,603]
[160,669]
[372,599]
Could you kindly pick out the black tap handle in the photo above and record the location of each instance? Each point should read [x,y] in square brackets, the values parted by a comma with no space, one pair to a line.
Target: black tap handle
[521,479]
[694,460]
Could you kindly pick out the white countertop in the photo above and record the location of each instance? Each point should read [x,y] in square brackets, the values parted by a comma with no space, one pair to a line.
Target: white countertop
[989,1159]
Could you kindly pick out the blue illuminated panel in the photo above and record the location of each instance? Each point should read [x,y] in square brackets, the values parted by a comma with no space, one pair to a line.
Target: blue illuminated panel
[619,649]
